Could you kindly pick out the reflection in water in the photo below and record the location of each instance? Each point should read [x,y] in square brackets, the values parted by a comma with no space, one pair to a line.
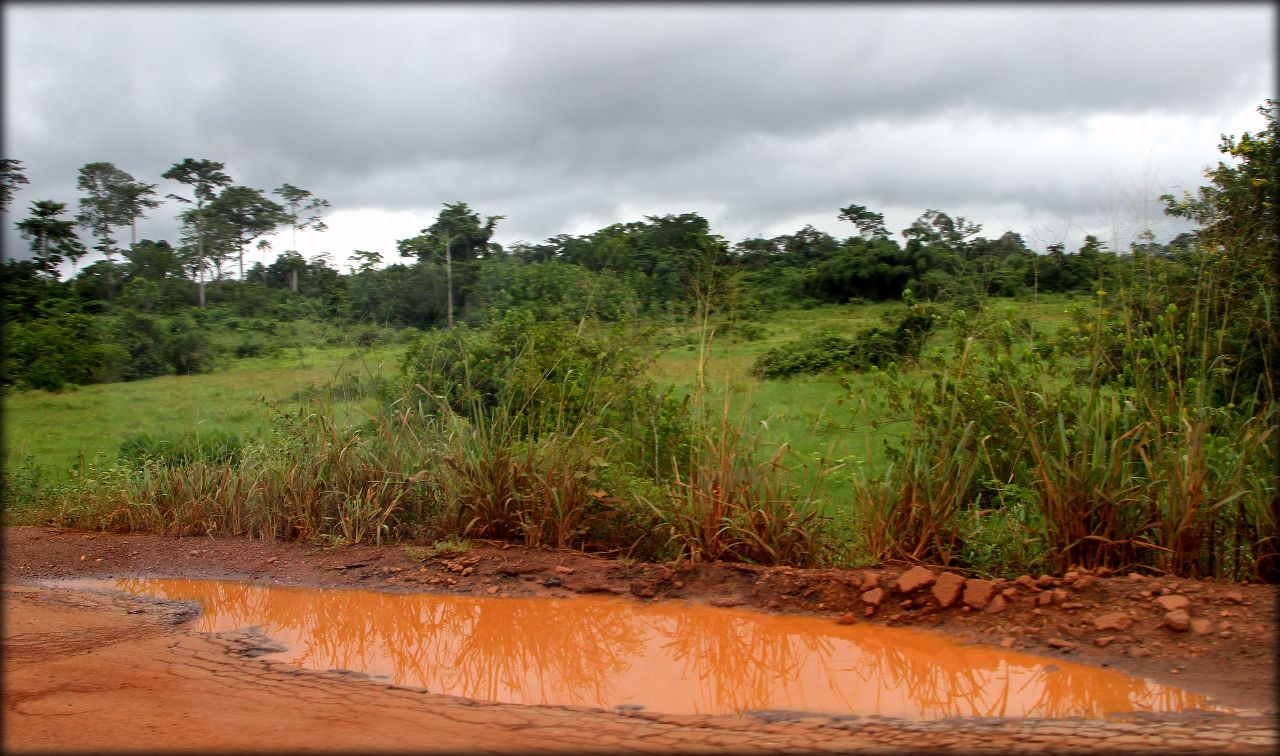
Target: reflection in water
[667,657]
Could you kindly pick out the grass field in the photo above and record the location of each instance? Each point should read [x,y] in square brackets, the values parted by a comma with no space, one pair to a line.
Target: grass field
[824,419]
[59,432]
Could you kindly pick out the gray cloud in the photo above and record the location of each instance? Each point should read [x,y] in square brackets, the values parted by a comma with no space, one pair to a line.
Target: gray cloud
[758,115]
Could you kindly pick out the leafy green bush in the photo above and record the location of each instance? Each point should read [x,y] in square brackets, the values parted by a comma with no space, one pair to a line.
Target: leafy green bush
[254,345]
[188,348]
[546,373]
[144,337]
[827,352]
[66,349]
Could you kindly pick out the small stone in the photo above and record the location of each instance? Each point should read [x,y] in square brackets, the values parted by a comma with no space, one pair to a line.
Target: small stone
[1235,597]
[1059,643]
[491,589]
[1224,613]
[1175,671]
[846,619]
[977,592]
[1113,621]
[1044,599]
[560,568]
[947,589]
[1104,641]
[1045,581]
[1085,583]
[1146,594]
[1224,625]
[1007,642]
[873,597]
[996,606]
[1009,593]
[552,582]
[1104,572]
[1028,582]
[915,579]
[870,610]
[1201,626]
[1178,620]
[1059,595]
[1134,576]
[1137,651]
[869,581]
[1071,576]
[82,557]
[1224,634]
[1171,603]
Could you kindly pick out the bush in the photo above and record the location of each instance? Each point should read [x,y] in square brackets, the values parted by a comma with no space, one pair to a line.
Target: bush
[253,345]
[144,337]
[188,348]
[52,353]
[547,374]
[828,352]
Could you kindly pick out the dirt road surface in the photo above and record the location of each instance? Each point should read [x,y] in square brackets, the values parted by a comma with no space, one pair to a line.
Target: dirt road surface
[94,672]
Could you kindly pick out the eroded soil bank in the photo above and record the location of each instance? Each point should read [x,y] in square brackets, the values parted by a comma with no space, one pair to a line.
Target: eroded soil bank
[93,672]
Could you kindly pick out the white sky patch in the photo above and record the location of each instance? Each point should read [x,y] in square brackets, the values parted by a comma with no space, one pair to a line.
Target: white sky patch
[367,229]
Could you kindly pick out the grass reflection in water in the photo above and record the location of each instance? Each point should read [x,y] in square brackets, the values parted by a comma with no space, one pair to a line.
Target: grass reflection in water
[669,657]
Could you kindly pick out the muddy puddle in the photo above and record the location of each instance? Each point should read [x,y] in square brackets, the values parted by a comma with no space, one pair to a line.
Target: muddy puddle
[668,657]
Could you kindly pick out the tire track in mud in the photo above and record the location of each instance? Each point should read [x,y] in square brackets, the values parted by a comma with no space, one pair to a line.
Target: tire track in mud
[123,672]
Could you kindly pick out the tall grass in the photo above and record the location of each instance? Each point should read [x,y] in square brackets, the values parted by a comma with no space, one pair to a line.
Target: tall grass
[313,480]
[732,503]
[1130,433]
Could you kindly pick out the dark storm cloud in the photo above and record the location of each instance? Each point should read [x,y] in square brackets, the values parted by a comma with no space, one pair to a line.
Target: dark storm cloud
[548,114]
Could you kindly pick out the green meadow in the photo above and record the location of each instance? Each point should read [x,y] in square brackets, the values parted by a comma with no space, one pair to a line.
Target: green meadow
[825,421]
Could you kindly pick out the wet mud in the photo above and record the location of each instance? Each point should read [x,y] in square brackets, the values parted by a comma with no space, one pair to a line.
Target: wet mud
[668,657]
[103,671]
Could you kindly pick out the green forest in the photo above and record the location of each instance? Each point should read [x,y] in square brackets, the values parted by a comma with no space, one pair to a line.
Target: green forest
[653,391]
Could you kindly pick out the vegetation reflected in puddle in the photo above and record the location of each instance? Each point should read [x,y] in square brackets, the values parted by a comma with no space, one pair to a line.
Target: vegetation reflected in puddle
[669,657]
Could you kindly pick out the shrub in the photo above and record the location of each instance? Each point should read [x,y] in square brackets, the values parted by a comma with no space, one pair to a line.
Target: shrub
[545,375]
[827,352]
[188,348]
[66,349]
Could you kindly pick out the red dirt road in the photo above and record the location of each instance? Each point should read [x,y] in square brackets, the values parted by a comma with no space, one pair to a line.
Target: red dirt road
[94,672]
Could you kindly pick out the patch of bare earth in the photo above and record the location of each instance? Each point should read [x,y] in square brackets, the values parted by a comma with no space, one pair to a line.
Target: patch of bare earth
[95,672]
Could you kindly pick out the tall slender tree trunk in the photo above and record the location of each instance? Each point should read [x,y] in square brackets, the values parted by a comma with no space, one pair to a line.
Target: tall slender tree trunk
[111,279]
[448,275]
[200,244]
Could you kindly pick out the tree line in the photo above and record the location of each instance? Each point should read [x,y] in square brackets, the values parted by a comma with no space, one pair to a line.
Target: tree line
[654,267]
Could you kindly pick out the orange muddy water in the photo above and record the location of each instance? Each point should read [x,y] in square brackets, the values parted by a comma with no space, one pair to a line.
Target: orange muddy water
[665,657]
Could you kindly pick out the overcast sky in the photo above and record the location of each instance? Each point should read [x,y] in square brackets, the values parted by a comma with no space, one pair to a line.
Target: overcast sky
[1049,120]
